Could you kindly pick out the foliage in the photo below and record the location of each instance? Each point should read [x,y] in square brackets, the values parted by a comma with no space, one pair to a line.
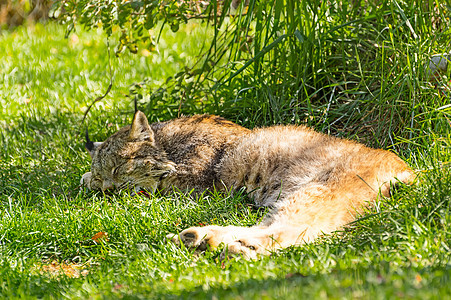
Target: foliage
[319,62]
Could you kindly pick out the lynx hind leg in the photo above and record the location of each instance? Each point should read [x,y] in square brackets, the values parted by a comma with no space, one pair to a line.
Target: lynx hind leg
[300,218]
[297,220]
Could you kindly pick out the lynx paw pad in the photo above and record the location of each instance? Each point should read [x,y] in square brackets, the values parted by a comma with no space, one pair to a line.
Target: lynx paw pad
[190,238]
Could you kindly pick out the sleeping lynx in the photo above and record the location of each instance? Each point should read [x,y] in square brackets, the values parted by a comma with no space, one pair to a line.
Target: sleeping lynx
[313,183]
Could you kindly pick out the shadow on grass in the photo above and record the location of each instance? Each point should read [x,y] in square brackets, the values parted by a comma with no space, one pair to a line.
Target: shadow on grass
[359,281]
[44,155]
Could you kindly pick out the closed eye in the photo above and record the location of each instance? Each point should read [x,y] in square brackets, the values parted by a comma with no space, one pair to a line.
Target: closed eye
[114,170]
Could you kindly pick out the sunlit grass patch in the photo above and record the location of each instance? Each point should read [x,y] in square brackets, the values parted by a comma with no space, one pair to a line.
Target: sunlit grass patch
[400,248]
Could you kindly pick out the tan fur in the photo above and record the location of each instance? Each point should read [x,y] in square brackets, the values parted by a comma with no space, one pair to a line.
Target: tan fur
[313,183]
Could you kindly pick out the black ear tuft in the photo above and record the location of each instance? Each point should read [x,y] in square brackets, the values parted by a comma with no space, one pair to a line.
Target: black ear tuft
[89,144]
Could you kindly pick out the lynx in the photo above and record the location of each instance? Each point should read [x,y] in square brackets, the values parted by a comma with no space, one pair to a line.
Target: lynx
[312,183]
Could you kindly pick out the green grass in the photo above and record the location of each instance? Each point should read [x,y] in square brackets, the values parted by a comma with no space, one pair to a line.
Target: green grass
[401,248]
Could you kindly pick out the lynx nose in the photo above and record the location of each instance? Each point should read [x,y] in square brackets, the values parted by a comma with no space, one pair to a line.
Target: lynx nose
[107,185]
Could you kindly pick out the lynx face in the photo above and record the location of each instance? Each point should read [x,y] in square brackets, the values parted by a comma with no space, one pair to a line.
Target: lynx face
[129,159]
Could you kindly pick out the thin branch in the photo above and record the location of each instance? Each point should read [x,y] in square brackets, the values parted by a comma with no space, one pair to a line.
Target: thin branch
[109,86]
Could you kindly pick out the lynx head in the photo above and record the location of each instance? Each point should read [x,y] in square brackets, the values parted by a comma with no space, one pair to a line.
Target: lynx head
[129,159]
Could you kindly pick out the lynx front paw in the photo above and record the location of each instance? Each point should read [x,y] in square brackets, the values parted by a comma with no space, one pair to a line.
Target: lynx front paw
[85,181]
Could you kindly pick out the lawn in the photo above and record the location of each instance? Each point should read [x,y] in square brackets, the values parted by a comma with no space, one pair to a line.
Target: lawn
[57,241]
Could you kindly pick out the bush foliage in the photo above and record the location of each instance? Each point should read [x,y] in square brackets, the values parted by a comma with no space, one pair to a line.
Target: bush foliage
[318,62]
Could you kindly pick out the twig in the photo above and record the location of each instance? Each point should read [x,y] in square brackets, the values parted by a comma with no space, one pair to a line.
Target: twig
[109,86]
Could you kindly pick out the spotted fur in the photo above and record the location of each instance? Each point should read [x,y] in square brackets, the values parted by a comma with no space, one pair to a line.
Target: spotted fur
[313,183]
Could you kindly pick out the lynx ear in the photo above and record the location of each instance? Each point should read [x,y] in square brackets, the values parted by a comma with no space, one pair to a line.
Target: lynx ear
[141,130]
[91,146]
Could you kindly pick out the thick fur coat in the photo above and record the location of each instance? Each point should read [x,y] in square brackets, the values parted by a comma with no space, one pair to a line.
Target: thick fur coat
[313,183]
